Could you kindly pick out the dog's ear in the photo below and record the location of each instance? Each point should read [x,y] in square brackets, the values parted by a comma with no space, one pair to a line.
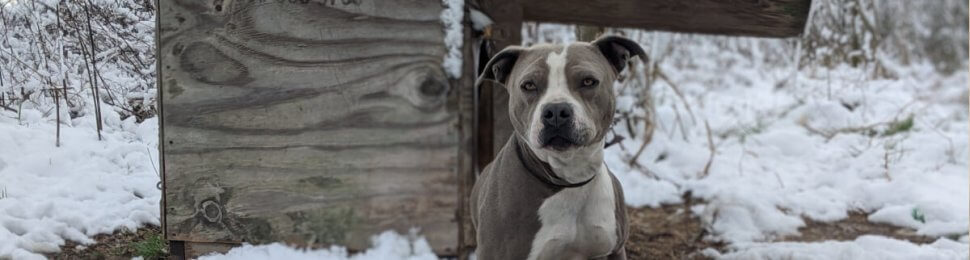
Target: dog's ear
[618,50]
[500,66]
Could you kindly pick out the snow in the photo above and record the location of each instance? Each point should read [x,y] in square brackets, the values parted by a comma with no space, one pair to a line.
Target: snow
[451,17]
[479,20]
[387,245]
[83,188]
[33,58]
[780,172]
[863,248]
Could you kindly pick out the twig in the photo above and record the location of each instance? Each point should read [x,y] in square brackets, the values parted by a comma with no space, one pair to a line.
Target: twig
[680,124]
[636,155]
[152,161]
[93,71]
[158,185]
[885,163]
[616,139]
[828,135]
[710,146]
[677,92]
[8,108]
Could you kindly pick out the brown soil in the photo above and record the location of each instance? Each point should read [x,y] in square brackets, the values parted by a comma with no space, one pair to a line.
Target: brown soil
[670,232]
[119,245]
[855,225]
[667,232]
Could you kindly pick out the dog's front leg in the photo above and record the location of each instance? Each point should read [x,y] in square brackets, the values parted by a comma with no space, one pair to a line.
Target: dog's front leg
[619,255]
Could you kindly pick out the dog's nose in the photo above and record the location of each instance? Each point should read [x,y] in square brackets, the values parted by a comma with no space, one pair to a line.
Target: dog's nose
[557,115]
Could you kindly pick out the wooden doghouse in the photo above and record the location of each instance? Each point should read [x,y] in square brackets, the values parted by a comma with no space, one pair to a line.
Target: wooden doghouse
[318,122]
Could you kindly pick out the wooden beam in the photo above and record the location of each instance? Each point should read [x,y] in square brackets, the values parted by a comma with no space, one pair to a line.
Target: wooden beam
[763,18]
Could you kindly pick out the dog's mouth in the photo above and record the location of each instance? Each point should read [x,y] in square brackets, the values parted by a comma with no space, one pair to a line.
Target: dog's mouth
[559,143]
[558,139]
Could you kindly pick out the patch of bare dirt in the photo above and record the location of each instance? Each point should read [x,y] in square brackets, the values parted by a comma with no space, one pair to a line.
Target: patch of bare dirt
[120,245]
[667,232]
[857,224]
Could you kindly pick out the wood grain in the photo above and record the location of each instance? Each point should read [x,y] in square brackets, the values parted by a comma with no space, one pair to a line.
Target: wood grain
[307,121]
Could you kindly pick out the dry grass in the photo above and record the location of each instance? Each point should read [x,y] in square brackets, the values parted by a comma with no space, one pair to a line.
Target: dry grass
[120,245]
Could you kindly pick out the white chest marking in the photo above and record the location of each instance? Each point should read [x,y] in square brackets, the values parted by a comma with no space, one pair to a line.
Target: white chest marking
[578,223]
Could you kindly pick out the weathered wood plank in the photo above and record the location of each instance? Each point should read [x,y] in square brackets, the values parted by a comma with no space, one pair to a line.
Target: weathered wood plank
[763,18]
[311,122]
[193,250]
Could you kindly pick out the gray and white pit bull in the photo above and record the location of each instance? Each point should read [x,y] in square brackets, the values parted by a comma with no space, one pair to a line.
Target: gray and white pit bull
[548,193]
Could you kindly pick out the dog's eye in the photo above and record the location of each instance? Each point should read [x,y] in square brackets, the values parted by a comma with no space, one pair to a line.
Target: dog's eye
[528,86]
[589,82]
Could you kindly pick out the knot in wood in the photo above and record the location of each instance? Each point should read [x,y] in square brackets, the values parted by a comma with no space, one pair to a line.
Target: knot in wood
[211,211]
[432,86]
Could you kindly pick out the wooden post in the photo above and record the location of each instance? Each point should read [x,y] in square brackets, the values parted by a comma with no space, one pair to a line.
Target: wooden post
[466,157]
[588,33]
[494,124]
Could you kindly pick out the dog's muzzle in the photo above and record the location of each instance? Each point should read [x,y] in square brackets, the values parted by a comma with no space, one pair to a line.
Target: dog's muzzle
[558,130]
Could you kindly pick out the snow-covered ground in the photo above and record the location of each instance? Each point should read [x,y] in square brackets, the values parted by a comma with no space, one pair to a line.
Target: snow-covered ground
[864,247]
[83,188]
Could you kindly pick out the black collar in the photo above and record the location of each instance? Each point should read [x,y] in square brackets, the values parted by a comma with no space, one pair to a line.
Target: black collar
[542,170]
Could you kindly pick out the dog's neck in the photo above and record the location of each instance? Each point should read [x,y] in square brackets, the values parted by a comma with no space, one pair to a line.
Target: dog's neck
[571,169]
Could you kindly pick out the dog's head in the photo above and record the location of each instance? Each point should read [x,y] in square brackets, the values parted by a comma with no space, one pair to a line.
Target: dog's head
[561,97]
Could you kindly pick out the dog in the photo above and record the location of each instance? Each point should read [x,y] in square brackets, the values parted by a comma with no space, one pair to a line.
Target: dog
[548,193]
